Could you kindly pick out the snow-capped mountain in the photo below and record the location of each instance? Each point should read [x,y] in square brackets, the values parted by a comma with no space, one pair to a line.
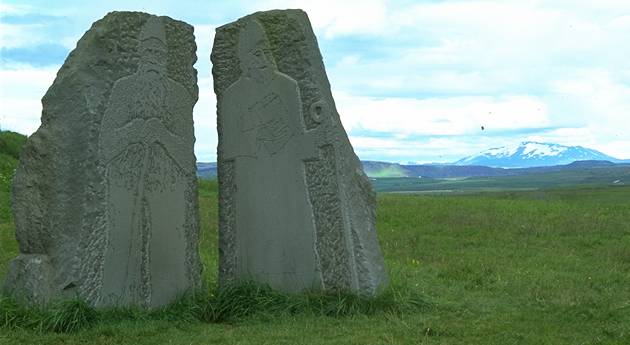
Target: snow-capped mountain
[531,154]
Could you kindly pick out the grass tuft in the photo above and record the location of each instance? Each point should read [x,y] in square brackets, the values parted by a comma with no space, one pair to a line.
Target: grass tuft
[69,316]
[13,315]
[60,317]
[236,302]
[246,300]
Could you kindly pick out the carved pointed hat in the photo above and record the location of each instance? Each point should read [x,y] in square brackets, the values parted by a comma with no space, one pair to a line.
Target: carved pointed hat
[153,28]
[253,37]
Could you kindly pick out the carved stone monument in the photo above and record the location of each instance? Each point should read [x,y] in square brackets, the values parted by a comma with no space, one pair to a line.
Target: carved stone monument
[296,211]
[105,197]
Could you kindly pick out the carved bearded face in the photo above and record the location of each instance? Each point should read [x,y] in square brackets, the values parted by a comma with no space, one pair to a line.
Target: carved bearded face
[256,60]
[151,91]
[253,52]
[153,56]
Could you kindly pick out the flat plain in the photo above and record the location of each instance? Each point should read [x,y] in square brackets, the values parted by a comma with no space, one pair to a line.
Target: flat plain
[546,266]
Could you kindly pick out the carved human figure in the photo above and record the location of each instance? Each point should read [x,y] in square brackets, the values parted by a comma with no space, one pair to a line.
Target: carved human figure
[145,151]
[265,137]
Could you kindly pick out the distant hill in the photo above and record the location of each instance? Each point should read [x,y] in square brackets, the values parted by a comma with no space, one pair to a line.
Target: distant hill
[10,147]
[534,154]
[591,164]
[383,169]
[206,170]
[11,144]
[380,169]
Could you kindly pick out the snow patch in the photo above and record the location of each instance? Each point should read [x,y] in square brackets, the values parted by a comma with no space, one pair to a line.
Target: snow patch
[501,151]
[531,153]
[538,149]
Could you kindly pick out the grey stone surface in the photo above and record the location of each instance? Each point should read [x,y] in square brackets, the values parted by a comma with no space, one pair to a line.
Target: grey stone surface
[296,210]
[105,197]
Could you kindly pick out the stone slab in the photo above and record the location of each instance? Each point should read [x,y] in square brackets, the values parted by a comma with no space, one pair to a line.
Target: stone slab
[296,210]
[105,196]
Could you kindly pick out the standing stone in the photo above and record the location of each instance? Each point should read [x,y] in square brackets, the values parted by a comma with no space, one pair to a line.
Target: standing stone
[296,211]
[105,197]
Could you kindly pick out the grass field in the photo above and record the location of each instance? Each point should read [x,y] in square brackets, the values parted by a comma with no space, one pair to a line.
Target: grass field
[538,267]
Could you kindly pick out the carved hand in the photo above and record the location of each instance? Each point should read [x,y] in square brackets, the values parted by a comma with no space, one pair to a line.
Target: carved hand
[153,129]
[135,126]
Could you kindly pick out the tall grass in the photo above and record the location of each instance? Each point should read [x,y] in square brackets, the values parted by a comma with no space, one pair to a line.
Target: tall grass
[228,305]
[62,317]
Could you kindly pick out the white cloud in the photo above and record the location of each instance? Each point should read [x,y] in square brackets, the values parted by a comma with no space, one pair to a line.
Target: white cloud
[18,35]
[441,116]
[333,18]
[493,45]
[436,129]
[604,102]
[424,149]
[14,9]
[204,113]
[617,148]
[578,136]
[21,89]
[204,37]
[14,35]
[205,119]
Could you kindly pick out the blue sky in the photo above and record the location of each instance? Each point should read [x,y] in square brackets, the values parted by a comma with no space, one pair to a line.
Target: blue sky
[413,81]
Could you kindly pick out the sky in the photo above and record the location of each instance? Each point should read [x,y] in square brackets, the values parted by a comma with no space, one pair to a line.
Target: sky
[413,81]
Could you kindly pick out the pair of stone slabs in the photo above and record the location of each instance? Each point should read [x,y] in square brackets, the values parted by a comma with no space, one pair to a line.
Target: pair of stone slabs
[105,197]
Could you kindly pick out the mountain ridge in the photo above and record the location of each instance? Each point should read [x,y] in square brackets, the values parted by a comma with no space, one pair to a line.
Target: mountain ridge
[529,154]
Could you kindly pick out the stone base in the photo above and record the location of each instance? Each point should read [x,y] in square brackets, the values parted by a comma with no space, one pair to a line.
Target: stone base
[29,279]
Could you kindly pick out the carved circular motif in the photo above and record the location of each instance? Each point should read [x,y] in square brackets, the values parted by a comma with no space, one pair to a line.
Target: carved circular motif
[318,111]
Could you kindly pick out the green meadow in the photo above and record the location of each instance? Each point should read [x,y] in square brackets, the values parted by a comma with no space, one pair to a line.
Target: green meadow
[547,266]
[614,176]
